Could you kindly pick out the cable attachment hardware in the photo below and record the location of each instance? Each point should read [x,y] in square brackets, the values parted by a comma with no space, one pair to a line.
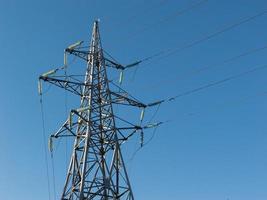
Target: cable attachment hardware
[73,46]
[50,144]
[65,59]
[152,125]
[121,77]
[142,138]
[40,87]
[142,114]
[70,119]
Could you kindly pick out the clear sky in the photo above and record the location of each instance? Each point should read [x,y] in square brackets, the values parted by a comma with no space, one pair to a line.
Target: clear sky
[215,145]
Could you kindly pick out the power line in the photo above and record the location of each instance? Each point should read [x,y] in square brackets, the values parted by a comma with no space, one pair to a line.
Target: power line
[131,18]
[139,148]
[170,52]
[171,17]
[166,53]
[216,65]
[146,11]
[234,58]
[212,84]
[217,82]
[227,104]
[197,90]
[239,101]
[53,175]
[44,144]
[227,28]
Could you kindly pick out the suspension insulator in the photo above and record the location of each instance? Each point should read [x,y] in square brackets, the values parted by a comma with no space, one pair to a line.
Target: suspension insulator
[50,144]
[142,139]
[53,71]
[40,87]
[65,59]
[70,120]
[121,77]
[142,114]
[73,46]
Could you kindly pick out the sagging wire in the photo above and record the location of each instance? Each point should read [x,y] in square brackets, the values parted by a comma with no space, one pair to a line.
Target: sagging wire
[171,51]
[149,125]
[218,82]
[218,64]
[212,84]
[44,138]
[228,104]
[146,11]
[155,113]
[53,174]
[152,137]
[145,60]
[149,122]
[134,73]
[168,52]
[219,32]
[136,64]
[169,17]
[155,126]
[122,68]
[40,88]
[202,88]
[50,146]
[215,65]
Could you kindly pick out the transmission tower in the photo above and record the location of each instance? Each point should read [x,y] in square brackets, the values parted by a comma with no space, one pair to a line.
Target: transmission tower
[96,169]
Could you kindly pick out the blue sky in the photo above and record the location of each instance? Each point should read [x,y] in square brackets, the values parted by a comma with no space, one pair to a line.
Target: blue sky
[213,147]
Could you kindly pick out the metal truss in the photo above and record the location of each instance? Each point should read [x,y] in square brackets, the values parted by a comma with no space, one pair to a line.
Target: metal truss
[97,169]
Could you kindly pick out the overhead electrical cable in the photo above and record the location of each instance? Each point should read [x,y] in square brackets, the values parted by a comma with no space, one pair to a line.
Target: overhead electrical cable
[172,51]
[139,148]
[154,131]
[246,53]
[168,52]
[197,90]
[226,104]
[217,82]
[216,65]
[212,84]
[146,11]
[171,17]
[177,13]
[239,101]
[128,20]
[53,175]
[44,144]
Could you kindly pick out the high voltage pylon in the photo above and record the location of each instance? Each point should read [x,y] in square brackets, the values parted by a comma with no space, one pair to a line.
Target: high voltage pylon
[97,169]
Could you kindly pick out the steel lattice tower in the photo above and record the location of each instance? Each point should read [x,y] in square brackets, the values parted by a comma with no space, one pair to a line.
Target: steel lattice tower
[97,169]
